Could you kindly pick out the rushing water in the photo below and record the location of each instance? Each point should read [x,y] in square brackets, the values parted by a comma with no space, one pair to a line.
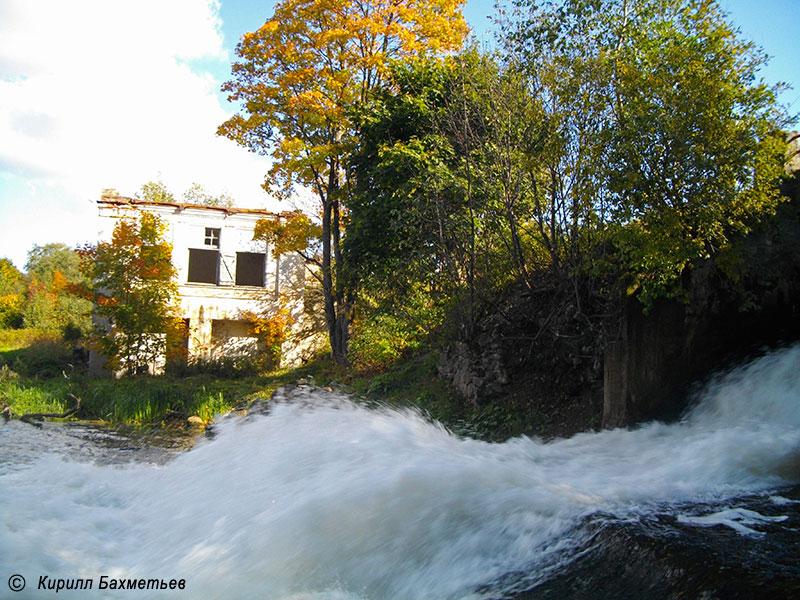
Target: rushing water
[322,498]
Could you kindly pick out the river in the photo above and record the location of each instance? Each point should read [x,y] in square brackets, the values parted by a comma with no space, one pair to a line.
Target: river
[322,498]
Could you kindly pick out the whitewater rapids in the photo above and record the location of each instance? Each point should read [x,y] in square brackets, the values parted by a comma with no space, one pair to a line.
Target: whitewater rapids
[326,499]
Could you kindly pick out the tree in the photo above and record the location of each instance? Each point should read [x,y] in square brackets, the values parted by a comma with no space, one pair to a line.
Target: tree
[301,77]
[155,191]
[12,287]
[134,290]
[668,141]
[447,171]
[54,270]
[617,145]
[196,194]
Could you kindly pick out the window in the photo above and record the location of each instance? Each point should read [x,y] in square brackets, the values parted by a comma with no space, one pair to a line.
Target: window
[203,265]
[212,237]
[250,268]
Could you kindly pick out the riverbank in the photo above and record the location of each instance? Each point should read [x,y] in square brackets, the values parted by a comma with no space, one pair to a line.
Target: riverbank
[40,374]
[195,399]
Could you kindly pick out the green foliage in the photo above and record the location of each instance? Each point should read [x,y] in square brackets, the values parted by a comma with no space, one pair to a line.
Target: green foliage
[413,384]
[24,398]
[618,144]
[54,272]
[44,357]
[44,262]
[155,191]
[140,400]
[196,194]
[451,194]
[12,297]
[134,291]
[663,126]
[225,367]
[493,421]
[382,335]
[28,388]
[145,400]
[15,339]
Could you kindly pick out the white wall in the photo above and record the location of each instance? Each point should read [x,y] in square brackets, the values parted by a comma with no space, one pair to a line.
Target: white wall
[204,303]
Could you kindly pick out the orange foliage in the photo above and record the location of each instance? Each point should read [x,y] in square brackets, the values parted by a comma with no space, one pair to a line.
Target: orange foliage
[271,330]
[313,60]
[291,234]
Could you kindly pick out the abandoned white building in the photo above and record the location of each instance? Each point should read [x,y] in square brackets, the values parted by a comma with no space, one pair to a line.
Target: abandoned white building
[224,276]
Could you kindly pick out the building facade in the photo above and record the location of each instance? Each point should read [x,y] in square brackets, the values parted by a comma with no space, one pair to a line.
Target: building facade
[224,276]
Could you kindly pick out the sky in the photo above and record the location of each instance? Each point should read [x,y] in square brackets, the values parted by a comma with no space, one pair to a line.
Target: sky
[101,94]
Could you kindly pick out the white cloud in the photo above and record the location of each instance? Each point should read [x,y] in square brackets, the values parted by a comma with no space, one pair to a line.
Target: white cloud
[100,93]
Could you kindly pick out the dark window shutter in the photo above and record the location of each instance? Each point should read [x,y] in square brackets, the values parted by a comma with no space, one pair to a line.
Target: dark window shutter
[250,268]
[203,265]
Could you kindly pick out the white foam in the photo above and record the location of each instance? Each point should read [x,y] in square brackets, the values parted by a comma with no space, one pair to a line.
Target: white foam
[735,518]
[327,499]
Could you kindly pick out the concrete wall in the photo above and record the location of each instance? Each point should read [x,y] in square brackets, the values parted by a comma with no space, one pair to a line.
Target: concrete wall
[650,371]
[646,373]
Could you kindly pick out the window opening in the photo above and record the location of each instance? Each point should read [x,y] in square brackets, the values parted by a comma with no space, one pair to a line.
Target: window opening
[250,268]
[212,237]
[203,265]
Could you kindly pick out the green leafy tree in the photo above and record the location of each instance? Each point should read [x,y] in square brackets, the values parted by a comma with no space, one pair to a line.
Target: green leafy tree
[447,192]
[300,77]
[196,194]
[134,289]
[668,139]
[54,272]
[12,298]
[155,191]
[616,145]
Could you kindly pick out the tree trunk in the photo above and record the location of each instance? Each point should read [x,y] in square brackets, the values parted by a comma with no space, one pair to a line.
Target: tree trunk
[337,307]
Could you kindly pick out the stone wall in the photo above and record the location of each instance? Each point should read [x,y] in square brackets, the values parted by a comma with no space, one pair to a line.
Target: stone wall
[647,371]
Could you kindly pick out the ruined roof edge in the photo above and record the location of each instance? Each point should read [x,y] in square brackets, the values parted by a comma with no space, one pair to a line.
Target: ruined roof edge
[109,197]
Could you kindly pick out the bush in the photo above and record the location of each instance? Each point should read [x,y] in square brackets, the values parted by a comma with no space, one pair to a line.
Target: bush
[44,358]
[227,367]
[14,339]
[385,335]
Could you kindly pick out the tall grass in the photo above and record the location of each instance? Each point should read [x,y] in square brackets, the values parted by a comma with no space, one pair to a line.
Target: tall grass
[24,399]
[144,400]
[140,400]
[39,373]
[32,380]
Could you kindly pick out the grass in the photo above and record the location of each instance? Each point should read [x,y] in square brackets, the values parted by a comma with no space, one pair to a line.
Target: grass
[139,400]
[15,339]
[24,399]
[37,375]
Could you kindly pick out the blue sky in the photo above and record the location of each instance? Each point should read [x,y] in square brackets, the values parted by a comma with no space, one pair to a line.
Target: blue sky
[104,93]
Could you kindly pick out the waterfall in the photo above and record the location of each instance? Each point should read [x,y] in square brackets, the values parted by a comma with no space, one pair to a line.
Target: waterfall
[324,498]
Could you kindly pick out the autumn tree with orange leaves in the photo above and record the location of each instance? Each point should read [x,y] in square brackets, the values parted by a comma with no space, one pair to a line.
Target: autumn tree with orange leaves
[299,80]
[134,290]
